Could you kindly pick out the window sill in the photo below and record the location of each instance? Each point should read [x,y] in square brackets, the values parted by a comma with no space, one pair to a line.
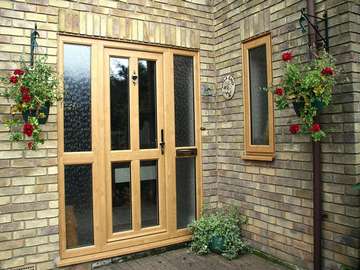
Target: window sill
[258,157]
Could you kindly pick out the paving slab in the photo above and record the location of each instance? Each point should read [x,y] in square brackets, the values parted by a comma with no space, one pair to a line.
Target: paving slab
[183,259]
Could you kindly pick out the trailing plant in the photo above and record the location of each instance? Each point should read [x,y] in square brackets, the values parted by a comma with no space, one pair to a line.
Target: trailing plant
[308,88]
[219,231]
[32,89]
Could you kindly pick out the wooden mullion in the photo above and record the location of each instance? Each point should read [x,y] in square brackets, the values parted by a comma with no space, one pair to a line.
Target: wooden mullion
[135,145]
[170,152]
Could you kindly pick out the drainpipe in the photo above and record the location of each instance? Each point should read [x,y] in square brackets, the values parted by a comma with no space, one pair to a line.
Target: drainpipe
[316,150]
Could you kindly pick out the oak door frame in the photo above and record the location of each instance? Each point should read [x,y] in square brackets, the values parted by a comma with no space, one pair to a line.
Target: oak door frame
[102,248]
[257,152]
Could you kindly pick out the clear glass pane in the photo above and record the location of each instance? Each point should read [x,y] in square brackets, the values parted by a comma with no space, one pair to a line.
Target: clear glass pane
[119,102]
[147,104]
[258,97]
[121,196]
[149,193]
[184,101]
[77,98]
[185,191]
[78,206]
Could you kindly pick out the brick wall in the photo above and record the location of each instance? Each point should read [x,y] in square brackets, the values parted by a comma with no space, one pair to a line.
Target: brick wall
[28,180]
[277,196]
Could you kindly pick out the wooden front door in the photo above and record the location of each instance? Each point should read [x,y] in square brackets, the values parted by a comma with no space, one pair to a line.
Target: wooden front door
[134,143]
[129,148]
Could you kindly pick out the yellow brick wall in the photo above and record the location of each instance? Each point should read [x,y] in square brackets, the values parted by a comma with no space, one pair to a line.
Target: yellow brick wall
[28,179]
[276,196]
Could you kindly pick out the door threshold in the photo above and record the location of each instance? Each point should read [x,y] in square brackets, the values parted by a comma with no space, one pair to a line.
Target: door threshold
[107,257]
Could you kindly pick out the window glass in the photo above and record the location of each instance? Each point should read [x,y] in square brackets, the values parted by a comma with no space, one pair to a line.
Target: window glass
[77,98]
[119,103]
[258,97]
[184,101]
[78,206]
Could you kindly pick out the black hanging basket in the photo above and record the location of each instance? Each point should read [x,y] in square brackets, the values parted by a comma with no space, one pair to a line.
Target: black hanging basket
[298,106]
[32,113]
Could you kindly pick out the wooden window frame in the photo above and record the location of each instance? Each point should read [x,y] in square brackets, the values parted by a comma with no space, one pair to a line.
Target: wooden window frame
[104,245]
[257,152]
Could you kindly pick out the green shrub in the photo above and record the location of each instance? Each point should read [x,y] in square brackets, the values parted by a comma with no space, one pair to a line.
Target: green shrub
[219,231]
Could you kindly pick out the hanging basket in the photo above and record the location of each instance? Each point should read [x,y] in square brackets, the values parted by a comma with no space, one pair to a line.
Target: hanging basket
[45,109]
[298,107]
[318,104]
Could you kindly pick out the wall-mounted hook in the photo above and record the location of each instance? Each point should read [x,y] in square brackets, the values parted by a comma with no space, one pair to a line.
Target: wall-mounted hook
[304,17]
[33,43]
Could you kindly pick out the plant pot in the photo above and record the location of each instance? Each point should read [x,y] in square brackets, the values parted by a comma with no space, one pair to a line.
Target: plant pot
[32,113]
[298,106]
[217,244]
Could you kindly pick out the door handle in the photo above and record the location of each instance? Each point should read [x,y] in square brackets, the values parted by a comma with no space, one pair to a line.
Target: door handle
[162,142]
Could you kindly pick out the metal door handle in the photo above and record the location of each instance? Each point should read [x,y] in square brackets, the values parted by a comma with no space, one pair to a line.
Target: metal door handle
[162,142]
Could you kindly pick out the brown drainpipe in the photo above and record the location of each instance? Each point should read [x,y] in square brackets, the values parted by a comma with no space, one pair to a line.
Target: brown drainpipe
[316,149]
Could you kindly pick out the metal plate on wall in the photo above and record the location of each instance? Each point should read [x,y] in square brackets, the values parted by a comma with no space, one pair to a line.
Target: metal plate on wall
[228,87]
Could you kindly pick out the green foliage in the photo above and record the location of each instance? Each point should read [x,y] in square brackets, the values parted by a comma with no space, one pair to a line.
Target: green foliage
[356,186]
[343,267]
[225,224]
[310,85]
[32,88]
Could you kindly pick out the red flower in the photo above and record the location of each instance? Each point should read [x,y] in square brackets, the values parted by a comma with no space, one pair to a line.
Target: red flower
[279,91]
[26,98]
[315,127]
[30,145]
[24,90]
[28,129]
[13,79]
[327,71]
[287,56]
[18,72]
[294,128]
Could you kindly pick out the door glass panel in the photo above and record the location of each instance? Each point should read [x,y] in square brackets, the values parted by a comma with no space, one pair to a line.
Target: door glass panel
[121,197]
[185,191]
[119,103]
[77,98]
[147,104]
[184,101]
[258,97]
[149,193]
[78,206]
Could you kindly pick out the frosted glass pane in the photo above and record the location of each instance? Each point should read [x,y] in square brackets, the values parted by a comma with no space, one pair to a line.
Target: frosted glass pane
[184,101]
[149,193]
[77,98]
[185,191]
[258,97]
[147,104]
[119,103]
[78,206]
[121,196]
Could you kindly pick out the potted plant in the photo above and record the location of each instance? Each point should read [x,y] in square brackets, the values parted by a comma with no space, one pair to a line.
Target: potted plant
[33,89]
[219,232]
[308,88]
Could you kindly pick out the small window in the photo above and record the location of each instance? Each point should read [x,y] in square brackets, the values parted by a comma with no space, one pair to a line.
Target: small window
[258,104]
